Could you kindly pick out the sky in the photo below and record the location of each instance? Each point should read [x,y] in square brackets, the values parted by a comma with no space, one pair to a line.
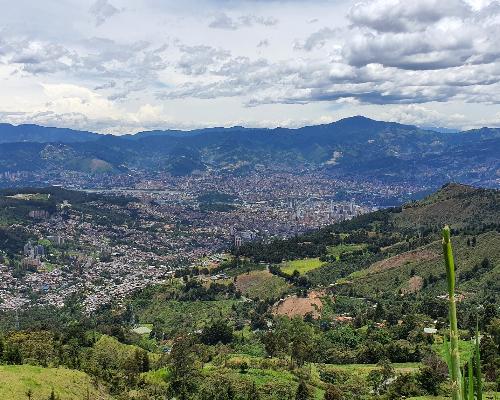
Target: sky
[122,66]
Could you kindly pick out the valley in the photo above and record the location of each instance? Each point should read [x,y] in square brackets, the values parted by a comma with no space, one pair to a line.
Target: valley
[337,309]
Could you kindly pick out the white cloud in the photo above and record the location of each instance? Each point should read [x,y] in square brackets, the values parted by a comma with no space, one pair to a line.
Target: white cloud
[191,58]
[101,10]
[223,21]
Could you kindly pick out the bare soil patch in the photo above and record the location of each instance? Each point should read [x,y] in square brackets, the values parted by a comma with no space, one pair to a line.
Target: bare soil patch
[299,306]
[401,259]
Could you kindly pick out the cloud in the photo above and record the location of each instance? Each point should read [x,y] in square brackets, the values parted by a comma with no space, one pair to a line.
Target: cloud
[106,85]
[416,114]
[38,57]
[78,107]
[317,39]
[102,10]
[404,16]
[197,60]
[126,68]
[223,21]
[428,34]
[375,53]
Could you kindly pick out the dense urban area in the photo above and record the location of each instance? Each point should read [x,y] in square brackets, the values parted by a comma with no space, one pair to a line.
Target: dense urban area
[172,223]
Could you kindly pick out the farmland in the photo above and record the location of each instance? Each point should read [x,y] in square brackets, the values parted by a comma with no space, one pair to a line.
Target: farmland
[302,266]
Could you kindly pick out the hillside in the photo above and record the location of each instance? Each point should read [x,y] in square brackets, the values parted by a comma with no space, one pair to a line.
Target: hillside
[420,270]
[398,250]
[16,380]
[459,206]
[41,134]
[18,205]
[342,310]
[357,145]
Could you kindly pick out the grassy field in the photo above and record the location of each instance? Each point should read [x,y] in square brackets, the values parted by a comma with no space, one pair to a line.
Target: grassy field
[16,380]
[177,315]
[31,196]
[264,371]
[486,396]
[336,251]
[465,349]
[303,266]
[261,285]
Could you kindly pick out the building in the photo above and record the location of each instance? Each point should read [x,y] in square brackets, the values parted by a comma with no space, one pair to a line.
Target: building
[39,214]
[33,251]
[56,240]
[31,263]
[243,237]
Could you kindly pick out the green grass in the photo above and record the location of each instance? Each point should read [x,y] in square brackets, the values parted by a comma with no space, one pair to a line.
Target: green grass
[367,282]
[303,265]
[16,380]
[50,267]
[31,196]
[465,349]
[184,315]
[261,285]
[269,371]
[336,251]
[486,396]
[364,369]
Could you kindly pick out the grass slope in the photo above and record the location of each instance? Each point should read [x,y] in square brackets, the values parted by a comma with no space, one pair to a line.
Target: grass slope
[16,380]
[261,285]
[456,205]
[396,272]
[303,266]
[178,315]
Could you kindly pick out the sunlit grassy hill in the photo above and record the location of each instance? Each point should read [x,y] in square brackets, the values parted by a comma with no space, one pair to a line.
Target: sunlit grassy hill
[17,380]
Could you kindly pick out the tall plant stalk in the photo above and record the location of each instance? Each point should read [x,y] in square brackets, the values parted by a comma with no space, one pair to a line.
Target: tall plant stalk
[456,379]
[470,386]
[479,377]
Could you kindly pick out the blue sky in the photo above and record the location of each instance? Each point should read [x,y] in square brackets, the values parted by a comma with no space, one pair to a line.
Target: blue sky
[120,66]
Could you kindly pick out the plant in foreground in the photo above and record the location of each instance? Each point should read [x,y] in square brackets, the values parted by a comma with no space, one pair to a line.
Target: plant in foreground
[461,389]
[453,357]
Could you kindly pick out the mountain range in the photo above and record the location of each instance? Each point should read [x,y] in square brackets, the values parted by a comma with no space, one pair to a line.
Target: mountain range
[353,146]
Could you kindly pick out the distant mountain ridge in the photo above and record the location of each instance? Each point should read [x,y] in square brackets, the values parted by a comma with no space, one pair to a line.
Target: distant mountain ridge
[41,134]
[352,146]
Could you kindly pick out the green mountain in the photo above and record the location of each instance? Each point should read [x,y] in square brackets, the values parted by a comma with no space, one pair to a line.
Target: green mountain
[354,146]
[41,134]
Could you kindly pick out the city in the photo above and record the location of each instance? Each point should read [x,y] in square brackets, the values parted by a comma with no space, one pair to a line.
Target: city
[172,230]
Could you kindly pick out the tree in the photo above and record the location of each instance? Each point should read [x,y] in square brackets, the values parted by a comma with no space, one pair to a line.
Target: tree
[184,368]
[253,393]
[303,392]
[378,377]
[332,393]
[432,373]
[274,343]
[52,395]
[404,386]
[217,387]
[243,367]
[301,338]
[217,332]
